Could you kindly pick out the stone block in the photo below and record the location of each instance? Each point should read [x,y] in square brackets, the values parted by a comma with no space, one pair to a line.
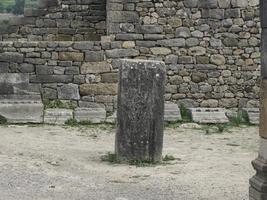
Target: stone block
[51,79]
[93,115]
[94,56]
[69,92]
[95,67]
[22,108]
[57,116]
[121,53]
[178,42]
[109,78]
[123,17]
[160,51]
[98,89]
[11,57]
[191,3]
[239,3]
[13,83]
[71,56]
[84,45]
[149,29]
[207,3]
[208,115]
[253,115]
[172,112]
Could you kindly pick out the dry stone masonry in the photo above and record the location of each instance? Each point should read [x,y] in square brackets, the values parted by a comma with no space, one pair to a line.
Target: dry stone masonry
[69,50]
[66,20]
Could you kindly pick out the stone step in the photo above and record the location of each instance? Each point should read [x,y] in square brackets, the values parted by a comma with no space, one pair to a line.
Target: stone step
[93,115]
[209,115]
[57,116]
[172,112]
[22,108]
[253,115]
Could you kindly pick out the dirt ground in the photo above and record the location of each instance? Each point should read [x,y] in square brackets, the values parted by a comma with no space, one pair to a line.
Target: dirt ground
[60,163]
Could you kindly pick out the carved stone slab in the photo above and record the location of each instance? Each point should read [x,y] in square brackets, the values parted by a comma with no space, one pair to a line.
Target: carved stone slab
[21,108]
[253,115]
[140,110]
[93,115]
[209,115]
[171,112]
[57,116]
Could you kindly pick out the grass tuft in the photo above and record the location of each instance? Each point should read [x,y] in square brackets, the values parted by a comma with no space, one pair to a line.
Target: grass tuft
[54,104]
[167,158]
[72,122]
[110,157]
[186,116]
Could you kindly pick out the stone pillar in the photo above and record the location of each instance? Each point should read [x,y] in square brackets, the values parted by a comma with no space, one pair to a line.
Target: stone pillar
[140,114]
[258,183]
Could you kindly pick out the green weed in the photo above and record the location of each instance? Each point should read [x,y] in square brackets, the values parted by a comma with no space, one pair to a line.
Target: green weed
[3,120]
[186,116]
[54,104]
[72,122]
[110,157]
[167,158]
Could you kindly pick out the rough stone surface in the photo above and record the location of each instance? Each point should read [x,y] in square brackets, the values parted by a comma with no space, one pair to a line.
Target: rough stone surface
[171,112]
[71,56]
[95,67]
[112,118]
[57,116]
[21,108]
[92,115]
[98,89]
[69,92]
[208,115]
[253,115]
[13,83]
[263,109]
[140,110]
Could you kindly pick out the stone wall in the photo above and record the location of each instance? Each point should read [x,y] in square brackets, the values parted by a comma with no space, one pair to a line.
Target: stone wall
[210,47]
[81,73]
[66,21]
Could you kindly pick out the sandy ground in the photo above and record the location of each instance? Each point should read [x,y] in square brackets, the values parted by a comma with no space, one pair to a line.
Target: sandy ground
[59,163]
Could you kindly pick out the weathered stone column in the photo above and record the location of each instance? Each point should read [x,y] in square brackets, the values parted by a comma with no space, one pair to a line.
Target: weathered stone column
[258,183]
[140,110]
